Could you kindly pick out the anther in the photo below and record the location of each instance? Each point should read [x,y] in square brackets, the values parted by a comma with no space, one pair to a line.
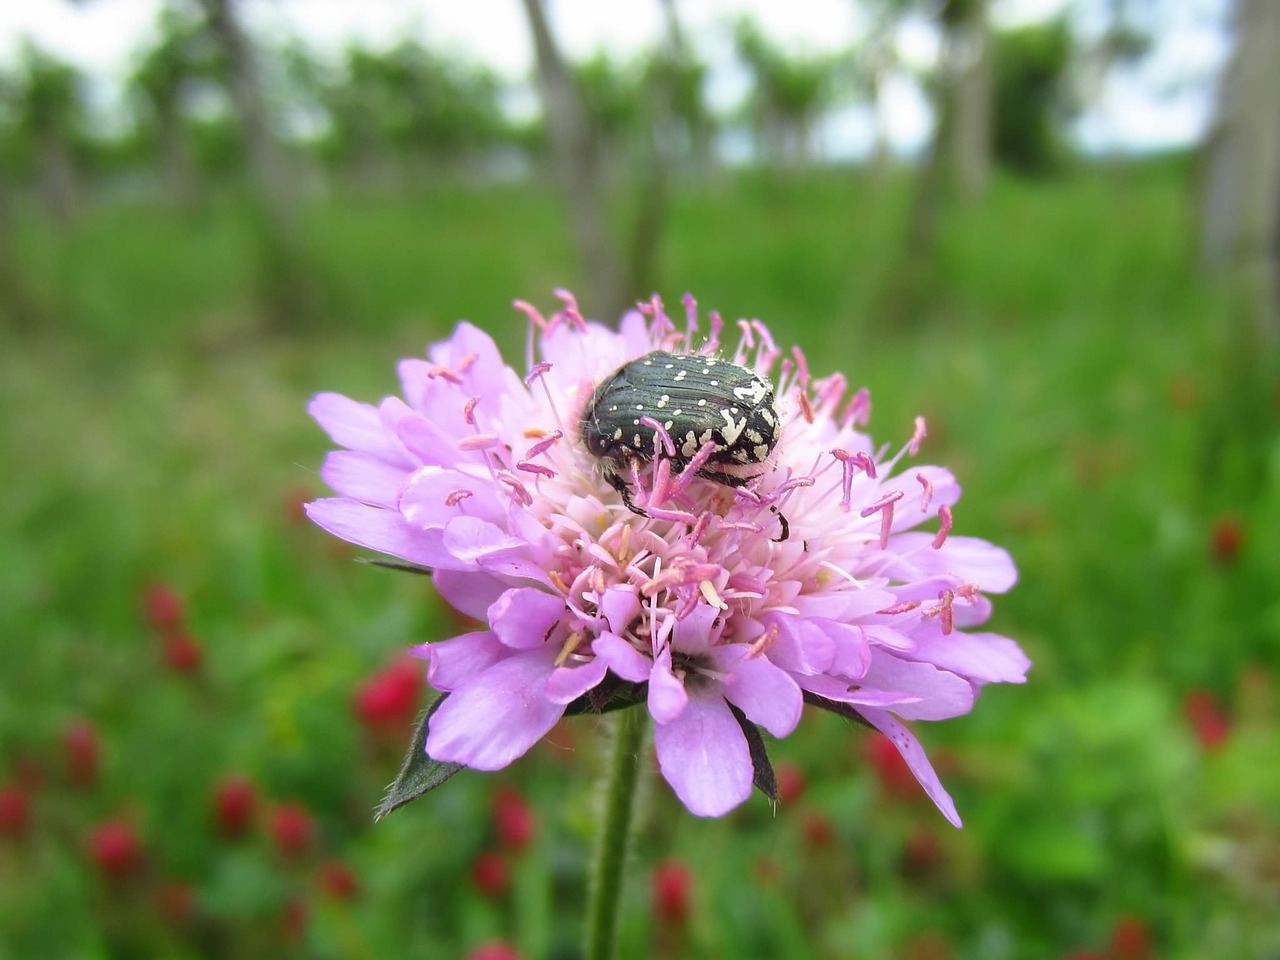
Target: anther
[518,490]
[444,373]
[858,412]
[469,411]
[661,431]
[763,642]
[532,312]
[708,591]
[885,507]
[906,606]
[945,612]
[537,370]
[806,408]
[535,468]
[944,515]
[920,432]
[455,497]
[928,493]
[468,362]
[543,445]
[479,441]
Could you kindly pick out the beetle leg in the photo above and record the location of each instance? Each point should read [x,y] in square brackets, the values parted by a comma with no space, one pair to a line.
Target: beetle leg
[782,522]
[624,490]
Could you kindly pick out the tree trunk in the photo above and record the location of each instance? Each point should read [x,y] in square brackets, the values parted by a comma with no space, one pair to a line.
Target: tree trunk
[969,71]
[289,306]
[18,309]
[178,164]
[58,181]
[1241,213]
[577,168]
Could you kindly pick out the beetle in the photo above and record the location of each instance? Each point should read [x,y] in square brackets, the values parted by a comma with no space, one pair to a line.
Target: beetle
[699,400]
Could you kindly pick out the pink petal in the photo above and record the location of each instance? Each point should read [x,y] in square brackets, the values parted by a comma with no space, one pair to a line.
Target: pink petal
[703,755]
[667,696]
[470,538]
[942,694]
[568,683]
[357,426]
[982,657]
[620,605]
[425,500]
[766,694]
[454,662]
[800,647]
[523,618]
[622,658]
[842,691]
[467,591]
[378,529]
[497,716]
[916,759]
[693,633]
[360,476]
[847,605]
[969,558]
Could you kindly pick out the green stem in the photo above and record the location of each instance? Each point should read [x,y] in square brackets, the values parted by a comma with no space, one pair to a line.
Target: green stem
[611,853]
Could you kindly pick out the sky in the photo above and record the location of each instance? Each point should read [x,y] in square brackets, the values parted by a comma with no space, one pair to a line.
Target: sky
[1167,102]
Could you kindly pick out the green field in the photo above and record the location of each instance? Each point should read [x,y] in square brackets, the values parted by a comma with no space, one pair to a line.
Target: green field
[1105,410]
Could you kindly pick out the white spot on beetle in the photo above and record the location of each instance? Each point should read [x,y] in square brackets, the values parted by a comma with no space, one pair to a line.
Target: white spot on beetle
[761,452]
[733,430]
[702,403]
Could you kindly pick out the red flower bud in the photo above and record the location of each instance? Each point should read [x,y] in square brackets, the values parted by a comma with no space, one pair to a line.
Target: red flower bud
[497,950]
[818,831]
[1226,540]
[489,871]
[182,654]
[115,849]
[791,782]
[339,881]
[81,746]
[292,829]
[1212,726]
[388,701]
[15,810]
[1131,939]
[672,892]
[162,606]
[514,819]
[235,800]
[892,772]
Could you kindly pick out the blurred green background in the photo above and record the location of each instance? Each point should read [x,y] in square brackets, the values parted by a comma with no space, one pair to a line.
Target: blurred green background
[202,696]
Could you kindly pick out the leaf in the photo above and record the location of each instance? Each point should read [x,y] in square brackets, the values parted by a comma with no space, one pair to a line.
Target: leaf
[396,565]
[610,694]
[762,768]
[420,773]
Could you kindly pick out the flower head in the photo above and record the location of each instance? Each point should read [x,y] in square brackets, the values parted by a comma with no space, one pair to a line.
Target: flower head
[723,600]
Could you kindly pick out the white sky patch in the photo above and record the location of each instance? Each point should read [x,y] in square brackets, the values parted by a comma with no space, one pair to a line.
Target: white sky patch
[1167,103]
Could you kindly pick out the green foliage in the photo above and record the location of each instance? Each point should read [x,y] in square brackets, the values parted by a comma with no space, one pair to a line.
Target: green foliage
[1101,408]
[1030,100]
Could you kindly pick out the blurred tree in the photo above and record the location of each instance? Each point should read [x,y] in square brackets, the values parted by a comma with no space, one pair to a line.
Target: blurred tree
[874,60]
[50,112]
[677,76]
[614,97]
[578,167]
[1031,100]
[1241,206]
[788,95]
[289,305]
[964,129]
[162,83]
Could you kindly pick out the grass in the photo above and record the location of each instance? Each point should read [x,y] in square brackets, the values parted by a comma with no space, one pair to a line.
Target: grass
[1100,404]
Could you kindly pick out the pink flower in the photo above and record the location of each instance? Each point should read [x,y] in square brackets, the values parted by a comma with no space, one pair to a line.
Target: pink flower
[725,608]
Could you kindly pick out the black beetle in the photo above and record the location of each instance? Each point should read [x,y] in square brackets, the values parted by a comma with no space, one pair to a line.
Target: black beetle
[698,400]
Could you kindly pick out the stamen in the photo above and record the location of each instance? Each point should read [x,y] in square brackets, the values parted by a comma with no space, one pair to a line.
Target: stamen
[536,468]
[537,370]
[885,507]
[661,489]
[944,515]
[532,312]
[455,497]
[542,446]
[571,312]
[708,591]
[692,467]
[948,615]
[571,643]
[748,525]
[691,314]
[928,492]
[469,411]
[479,441]
[763,642]
[557,581]
[468,362]
[802,367]
[914,447]
[746,342]
[806,408]
[444,373]
[905,606]
[518,490]
[700,527]
[661,432]
[717,325]
[848,461]
[858,412]
[785,488]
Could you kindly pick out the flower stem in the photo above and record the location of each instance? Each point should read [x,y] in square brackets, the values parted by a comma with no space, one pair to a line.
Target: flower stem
[611,852]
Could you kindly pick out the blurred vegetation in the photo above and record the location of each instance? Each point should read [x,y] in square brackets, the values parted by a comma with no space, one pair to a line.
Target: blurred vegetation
[179,639]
